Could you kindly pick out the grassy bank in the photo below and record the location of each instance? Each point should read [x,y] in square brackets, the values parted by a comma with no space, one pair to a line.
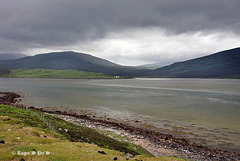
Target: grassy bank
[28,131]
[48,73]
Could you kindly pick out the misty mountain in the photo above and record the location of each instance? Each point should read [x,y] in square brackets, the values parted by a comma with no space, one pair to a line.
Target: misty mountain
[151,66]
[225,64]
[156,65]
[11,56]
[222,64]
[69,60]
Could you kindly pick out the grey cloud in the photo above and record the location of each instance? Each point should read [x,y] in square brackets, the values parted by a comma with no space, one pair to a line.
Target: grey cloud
[26,24]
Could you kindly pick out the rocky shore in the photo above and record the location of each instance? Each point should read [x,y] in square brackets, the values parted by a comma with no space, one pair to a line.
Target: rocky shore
[155,142]
[9,98]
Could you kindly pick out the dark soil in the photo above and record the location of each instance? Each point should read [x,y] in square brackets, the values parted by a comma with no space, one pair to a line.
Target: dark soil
[8,98]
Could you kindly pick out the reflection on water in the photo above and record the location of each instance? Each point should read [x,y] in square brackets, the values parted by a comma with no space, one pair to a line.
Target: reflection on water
[204,110]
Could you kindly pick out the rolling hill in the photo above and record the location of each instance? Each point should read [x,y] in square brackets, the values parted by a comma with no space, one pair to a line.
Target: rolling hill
[225,64]
[69,60]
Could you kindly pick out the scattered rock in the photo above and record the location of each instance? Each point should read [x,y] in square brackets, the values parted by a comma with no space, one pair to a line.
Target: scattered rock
[102,152]
[8,98]
[182,147]
[128,156]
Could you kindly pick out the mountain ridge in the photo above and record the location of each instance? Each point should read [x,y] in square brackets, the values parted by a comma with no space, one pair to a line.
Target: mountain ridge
[221,64]
[224,64]
[69,60]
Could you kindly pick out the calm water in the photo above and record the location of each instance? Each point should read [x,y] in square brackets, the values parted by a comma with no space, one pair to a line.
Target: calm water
[207,111]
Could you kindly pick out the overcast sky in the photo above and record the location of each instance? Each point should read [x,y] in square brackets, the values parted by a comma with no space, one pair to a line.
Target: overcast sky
[128,32]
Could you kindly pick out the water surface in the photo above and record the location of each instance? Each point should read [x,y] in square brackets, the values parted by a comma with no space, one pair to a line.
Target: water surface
[204,110]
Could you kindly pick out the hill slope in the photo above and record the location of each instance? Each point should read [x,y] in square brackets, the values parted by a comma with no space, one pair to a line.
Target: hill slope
[50,73]
[24,131]
[66,61]
[225,64]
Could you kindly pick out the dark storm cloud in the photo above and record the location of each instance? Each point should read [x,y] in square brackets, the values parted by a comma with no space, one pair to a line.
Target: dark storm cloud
[34,24]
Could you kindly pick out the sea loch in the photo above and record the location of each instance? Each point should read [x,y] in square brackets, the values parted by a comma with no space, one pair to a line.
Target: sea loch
[205,111]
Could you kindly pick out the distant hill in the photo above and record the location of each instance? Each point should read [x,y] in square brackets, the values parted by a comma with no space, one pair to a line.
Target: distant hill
[69,60]
[225,64]
[50,73]
[150,66]
[11,56]
[156,65]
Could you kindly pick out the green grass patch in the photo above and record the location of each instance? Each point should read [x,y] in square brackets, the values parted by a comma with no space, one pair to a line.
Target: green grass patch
[70,131]
[27,137]
[49,73]
[80,133]
[23,115]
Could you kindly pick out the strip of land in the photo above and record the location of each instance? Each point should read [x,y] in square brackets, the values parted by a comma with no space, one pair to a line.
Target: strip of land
[50,73]
[156,143]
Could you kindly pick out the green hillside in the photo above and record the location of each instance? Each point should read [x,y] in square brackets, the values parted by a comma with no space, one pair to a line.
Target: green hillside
[49,73]
[25,135]
[68,61]
[225,64]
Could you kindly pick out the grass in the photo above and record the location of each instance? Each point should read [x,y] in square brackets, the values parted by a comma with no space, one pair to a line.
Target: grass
[21,141]
[25,134]
[48,73]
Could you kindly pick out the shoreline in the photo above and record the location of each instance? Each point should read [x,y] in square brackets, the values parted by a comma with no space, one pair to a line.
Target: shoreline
[157,143]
